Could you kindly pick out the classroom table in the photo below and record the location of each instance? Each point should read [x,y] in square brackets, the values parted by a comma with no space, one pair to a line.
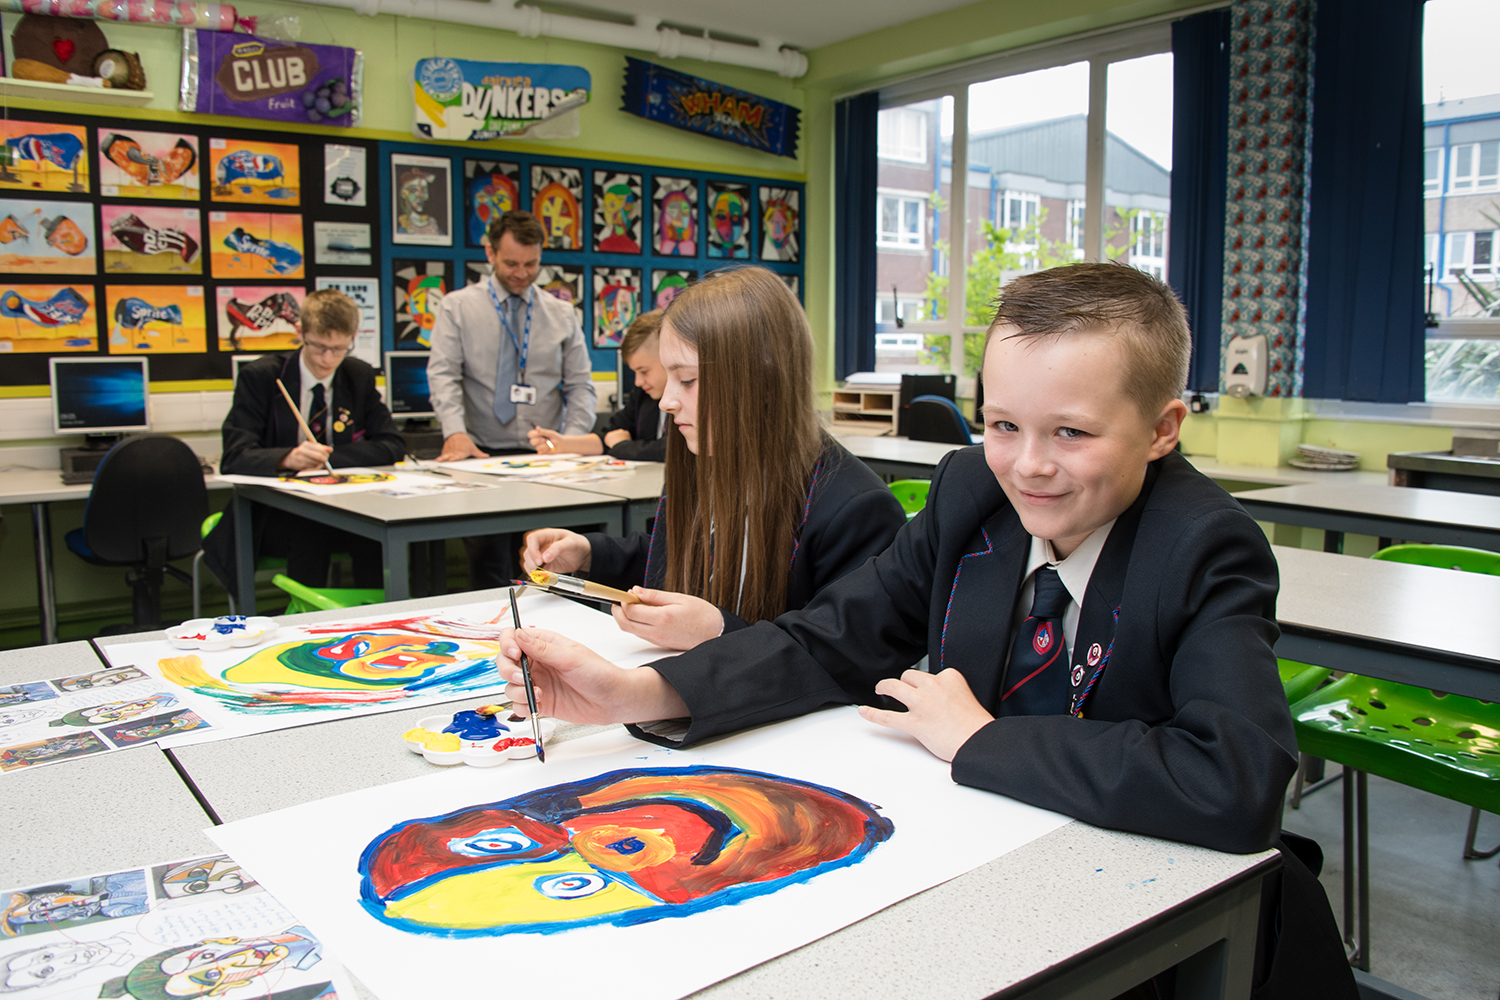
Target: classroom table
[1434,628]
[1415,515]
[115,810]
[896,457]
[1080,912]
[640,488]
[395,522]
[39,488]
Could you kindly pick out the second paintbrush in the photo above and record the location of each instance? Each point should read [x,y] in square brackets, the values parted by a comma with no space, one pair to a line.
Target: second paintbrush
[583,588]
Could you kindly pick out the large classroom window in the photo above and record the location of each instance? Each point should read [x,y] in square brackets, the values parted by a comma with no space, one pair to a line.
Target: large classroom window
[1006,154]
[1461,181]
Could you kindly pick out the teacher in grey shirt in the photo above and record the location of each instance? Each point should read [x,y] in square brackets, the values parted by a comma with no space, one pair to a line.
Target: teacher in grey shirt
[507,357]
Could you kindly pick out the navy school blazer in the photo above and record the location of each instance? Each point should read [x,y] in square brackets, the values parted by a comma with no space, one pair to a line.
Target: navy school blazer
[641,417]
[1186,734]
[850,516]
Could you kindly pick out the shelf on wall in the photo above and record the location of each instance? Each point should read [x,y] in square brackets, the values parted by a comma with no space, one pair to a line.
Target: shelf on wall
[11,87]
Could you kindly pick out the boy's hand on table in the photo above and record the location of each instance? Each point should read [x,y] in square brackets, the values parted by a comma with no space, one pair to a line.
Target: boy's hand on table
[668,619]
[941,712]
[307,455]
[556,549]
[576,684]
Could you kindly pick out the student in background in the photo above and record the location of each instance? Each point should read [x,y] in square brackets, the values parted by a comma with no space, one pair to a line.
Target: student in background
[638,431]
[1098,616]
[339,401]
[762,509]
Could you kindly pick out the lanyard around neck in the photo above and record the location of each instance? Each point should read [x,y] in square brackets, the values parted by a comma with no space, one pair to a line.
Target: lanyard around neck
[523,347]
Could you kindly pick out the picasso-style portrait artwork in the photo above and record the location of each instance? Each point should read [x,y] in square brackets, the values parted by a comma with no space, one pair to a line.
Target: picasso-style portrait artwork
[417,289]
[674,216]
[626,847]
[565,282]
[728,229]
[557,202]
[420,210]
[195,928]
[667,285]
[491,188]
[617,302]
[617,212]
[780,224]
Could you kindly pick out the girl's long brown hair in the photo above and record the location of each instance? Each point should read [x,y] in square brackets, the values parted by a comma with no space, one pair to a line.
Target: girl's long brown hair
[755,405]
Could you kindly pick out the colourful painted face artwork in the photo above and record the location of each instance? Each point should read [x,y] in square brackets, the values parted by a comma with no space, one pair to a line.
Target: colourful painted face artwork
[216,967]
[627,847]
[373,666]
[677,236]
[116,711]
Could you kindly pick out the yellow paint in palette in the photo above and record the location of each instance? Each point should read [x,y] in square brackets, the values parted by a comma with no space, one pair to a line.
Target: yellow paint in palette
[496,896]
[431,740]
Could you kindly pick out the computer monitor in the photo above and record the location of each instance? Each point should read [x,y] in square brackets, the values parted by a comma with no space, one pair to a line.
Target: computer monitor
[406,384]
[99,395]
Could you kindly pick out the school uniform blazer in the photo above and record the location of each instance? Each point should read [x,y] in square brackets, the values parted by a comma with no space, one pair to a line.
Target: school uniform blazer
[261,427]
[641,417]
[851,515]
[1186,734]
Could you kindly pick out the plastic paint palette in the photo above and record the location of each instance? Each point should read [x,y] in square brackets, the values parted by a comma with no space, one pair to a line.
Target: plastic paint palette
[210,634]
[479,741]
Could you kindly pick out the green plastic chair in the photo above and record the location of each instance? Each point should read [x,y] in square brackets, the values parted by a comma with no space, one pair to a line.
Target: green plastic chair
[911,494]
[264,562]
[305,598]
[1299,680]
[1441,743]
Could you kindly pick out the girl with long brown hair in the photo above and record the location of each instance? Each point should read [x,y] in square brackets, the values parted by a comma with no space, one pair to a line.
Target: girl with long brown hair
[762,509]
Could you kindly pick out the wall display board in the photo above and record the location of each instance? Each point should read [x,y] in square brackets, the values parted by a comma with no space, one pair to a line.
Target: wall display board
[622,238]
[188,242]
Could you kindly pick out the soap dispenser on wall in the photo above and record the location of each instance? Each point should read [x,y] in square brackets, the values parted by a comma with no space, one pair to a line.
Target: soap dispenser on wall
[1245,367]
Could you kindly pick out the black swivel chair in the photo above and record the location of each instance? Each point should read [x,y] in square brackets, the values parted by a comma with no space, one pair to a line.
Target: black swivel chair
[146,508]
[936,418]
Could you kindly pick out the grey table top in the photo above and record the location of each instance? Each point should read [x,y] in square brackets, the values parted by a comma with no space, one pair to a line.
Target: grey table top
[46,485]
[644,482]
[1426,610]
[1399,503]
[895,449]
[508,496]
[39,663]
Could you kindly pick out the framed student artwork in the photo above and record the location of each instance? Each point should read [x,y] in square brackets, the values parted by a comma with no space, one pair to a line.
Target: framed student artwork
[477,272]
[491,188]
[617,302]
[557,201]
[344,178]
[617,212]
[418,287]
[780,224]
[264,173]
[42,156]
[46,237]
[728,229]
[674,216]
[260,317]
[255,245]
[564,282]
[135,163]
[420,203]
[151,239]
[50,319]
[156,319]
[667,285]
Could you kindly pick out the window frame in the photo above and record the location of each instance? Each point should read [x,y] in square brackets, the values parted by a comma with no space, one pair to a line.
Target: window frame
[923,203]
[901,152]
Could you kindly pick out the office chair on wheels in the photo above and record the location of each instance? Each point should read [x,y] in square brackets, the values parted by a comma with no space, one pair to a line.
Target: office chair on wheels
[146,509]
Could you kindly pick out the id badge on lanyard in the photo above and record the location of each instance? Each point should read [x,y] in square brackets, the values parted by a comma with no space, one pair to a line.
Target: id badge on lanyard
[520,392]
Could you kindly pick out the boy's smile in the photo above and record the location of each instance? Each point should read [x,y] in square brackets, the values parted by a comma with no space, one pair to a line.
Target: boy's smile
[1065,442]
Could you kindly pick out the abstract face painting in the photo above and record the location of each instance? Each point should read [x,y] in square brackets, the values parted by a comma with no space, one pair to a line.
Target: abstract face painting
[626,847]
[217,967]
[383,663]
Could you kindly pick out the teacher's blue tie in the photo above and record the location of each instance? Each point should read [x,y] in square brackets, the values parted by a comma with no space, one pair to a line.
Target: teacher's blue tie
[1037,681]
[505,368]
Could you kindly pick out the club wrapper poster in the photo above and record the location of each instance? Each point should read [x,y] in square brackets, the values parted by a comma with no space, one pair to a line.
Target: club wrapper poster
[41,156]
[156,319]
[255,245]
[47,319]
[266,173]
[136,163]
[228,73]
[46,237]
[464,100]
[151,239]
[259,317]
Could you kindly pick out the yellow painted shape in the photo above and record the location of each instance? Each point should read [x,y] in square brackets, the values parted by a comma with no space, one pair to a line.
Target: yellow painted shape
[188,672]
[431,740]
[507,896]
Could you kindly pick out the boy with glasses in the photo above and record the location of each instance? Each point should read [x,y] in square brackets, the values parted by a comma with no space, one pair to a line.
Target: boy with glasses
[340,403]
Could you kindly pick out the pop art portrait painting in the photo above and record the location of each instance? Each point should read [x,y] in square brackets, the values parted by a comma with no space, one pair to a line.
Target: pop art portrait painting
[728,228]
[618,211]
[617,302]
[780,224]
[134,163]
[67,905]
[667,285]
[557,202]
[491,188]
[421,192]
[674,216]
[417,289]
[565,282]
[108,677]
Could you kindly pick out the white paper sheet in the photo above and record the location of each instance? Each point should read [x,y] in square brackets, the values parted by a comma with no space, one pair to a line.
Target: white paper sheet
[116,927]
[302,485]
[538,466]
[233,701]
[941,830]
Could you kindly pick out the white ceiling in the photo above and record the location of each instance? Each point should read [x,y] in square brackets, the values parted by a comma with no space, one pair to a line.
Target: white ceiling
[805,24]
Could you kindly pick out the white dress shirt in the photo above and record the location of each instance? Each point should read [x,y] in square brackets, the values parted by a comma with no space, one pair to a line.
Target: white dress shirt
[1074,572]
[305,402]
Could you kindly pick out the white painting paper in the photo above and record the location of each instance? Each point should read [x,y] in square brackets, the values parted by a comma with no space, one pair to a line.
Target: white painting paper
[420,885]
